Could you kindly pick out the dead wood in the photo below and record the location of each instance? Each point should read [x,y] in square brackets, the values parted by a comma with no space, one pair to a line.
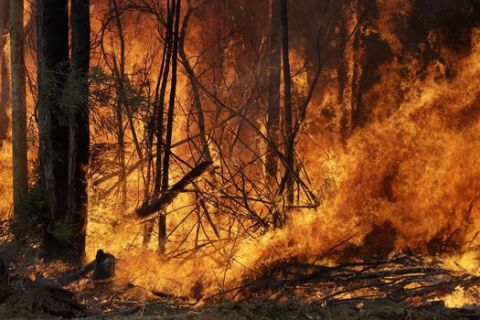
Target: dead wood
[398,279]
[41,297]
[168,196]
[76,274]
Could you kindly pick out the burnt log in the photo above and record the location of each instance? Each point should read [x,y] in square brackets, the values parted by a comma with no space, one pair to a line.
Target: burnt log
[168,196]
[77,274]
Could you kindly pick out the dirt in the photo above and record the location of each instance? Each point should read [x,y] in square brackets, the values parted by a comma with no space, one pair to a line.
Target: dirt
[380,309]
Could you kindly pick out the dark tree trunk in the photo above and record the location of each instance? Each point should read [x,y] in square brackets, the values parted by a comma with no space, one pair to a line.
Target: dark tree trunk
[273,111]
[289,138]
[162,226]
[63,124]
[19,111]
[79,124]
[343,76]
[273,108]
[52,118]
[161,100]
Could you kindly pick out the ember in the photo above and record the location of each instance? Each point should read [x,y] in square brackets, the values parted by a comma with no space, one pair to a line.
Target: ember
[201,156]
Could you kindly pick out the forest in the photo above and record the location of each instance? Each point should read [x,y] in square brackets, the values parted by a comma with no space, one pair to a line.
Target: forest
[240,159]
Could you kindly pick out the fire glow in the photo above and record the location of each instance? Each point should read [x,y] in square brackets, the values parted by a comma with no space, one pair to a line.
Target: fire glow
[385,162]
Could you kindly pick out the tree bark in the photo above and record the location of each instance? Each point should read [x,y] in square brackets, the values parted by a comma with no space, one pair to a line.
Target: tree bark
[162,225]
[19,111]
[288,119]
[52,118]
[64,123]
[79,125]
[169,195]
[273,108]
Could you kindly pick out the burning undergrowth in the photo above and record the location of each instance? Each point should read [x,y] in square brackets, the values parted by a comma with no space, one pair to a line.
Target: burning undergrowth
[404,178]
[409,182]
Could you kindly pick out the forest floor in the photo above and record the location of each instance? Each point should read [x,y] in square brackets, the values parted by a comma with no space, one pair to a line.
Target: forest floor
[275,310]
[24,295]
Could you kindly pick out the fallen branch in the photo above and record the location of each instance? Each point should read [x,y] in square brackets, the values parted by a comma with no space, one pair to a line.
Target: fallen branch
[168,196]
[77,274]
[398,279]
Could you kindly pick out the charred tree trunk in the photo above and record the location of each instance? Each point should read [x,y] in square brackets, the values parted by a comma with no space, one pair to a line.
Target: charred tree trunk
[63,124]
[161,100]
[288,119]
[162,225]
[19,111]
[273,111]
[343,76]
[52,118]
[355,113]
[79,124]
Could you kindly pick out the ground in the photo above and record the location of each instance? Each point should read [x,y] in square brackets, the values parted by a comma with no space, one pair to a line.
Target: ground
[381,309]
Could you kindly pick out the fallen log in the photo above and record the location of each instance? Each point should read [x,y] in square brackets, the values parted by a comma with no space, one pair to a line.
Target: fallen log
[168,196]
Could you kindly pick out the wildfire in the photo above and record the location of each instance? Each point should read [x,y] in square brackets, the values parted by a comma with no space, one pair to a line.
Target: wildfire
[385,164]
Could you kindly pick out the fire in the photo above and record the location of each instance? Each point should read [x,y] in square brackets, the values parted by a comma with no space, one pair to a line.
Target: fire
[6,153]
[395,172]
[414,170]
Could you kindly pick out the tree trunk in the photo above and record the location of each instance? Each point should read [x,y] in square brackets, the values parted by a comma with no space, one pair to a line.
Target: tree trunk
[53,120]
[162,225]
[273,111]
[289,138]
[79,125]
[19,111]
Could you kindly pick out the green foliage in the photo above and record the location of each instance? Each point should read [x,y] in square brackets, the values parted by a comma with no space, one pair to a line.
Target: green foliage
[102,87]
[28,223]
[61,231]
[34,221]
[104,96]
